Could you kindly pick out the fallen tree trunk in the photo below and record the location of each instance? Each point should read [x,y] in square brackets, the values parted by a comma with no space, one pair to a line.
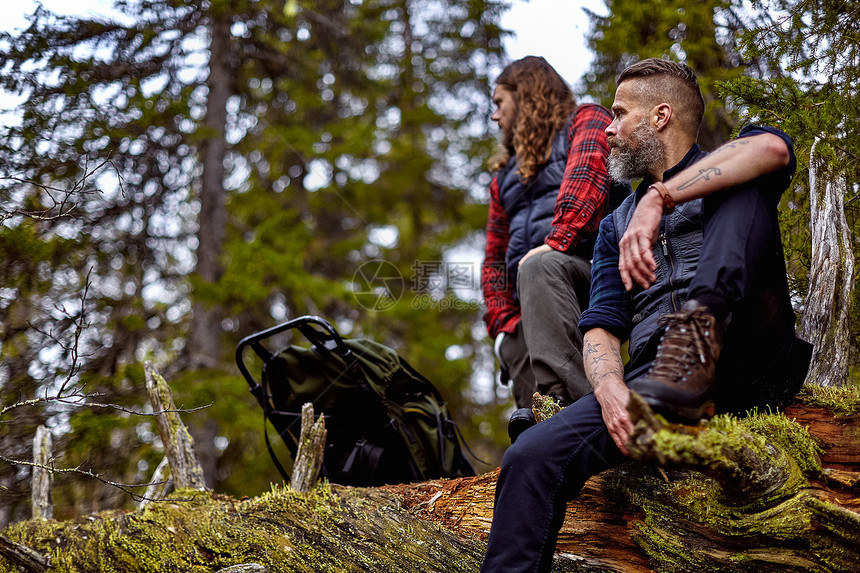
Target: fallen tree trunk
[782,496]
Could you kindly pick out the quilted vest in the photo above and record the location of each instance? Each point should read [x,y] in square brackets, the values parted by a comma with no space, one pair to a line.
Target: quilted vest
[677,255]
[530,206]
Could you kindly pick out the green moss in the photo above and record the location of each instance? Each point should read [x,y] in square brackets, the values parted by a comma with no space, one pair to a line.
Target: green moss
[844,401]
[327,529]
[690,523]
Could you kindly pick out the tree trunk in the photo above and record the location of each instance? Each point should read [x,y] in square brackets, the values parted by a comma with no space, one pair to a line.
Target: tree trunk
[825,316]
[205,334]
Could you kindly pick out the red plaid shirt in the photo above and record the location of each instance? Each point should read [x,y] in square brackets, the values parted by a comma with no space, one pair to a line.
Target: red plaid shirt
[582,200]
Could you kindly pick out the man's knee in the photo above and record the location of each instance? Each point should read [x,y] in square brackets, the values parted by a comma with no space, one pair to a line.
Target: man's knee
[552,266]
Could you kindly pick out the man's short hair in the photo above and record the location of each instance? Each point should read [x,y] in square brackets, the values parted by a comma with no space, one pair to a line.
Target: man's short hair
[669,82]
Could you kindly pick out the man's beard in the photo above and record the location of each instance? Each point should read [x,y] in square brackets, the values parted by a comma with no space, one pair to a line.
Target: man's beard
[508,141]
[637,157]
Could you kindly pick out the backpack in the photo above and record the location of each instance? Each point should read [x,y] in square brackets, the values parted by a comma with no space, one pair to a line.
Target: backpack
[385,422]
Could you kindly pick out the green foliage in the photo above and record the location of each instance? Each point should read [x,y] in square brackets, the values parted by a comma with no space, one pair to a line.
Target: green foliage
[700,34]
[811,61]
[348,123]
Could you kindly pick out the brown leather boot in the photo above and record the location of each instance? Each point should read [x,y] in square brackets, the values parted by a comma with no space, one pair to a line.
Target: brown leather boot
[680,383]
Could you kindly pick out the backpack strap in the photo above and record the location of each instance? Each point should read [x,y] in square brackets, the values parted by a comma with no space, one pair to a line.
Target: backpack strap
[366,454]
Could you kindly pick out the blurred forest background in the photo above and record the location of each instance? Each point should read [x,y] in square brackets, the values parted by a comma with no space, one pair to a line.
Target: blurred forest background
[193,172]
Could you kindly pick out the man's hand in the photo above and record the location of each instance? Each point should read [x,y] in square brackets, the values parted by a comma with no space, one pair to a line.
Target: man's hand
[613,398]
[635,255]
[541,249]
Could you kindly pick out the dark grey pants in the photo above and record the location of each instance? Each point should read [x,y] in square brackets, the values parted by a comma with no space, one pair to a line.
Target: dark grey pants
[545,353]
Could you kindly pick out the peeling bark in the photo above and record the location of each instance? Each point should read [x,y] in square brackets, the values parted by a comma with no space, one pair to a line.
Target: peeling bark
[831,276]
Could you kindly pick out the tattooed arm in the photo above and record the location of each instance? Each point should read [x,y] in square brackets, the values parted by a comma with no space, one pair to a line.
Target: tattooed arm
[736,162]
[605,372]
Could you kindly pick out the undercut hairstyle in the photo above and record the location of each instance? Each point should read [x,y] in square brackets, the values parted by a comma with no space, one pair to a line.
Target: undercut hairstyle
[544,103]
[665,81]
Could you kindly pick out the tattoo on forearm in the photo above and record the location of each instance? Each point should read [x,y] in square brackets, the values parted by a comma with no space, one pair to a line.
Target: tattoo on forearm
[600,365]
[705,174]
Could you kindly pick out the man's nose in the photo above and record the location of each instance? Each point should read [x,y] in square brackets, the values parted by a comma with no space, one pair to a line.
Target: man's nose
[610,129]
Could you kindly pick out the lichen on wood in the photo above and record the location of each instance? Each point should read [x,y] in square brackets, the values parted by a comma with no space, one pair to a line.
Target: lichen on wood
[330,528]
[178,443]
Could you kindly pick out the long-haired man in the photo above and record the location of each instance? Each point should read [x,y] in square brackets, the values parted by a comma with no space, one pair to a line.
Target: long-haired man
[547,197]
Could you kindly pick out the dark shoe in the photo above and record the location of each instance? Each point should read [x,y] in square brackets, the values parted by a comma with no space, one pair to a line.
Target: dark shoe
[521,420]
[680,383]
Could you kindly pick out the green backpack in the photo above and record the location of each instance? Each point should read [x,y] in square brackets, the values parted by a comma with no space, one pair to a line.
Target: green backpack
[386,423]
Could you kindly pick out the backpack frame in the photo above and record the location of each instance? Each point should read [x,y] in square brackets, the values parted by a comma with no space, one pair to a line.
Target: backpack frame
[386,422]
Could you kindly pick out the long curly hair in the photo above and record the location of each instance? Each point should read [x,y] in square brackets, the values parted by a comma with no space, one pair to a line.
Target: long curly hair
[544,103]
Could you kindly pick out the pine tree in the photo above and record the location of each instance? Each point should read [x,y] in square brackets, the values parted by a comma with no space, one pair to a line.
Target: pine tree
[700,34]
[810,91]
[350,133]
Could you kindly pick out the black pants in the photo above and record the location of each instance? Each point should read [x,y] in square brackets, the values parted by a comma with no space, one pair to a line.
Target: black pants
[741,267]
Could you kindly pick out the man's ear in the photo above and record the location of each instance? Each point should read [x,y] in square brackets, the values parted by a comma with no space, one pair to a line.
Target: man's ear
[660,116]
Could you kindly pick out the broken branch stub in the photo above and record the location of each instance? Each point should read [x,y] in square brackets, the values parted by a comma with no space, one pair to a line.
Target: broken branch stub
[178,443]
[310,453]
[43,480]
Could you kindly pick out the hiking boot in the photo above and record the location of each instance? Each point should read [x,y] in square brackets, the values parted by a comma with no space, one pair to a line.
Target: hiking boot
[521,420]
[680,383]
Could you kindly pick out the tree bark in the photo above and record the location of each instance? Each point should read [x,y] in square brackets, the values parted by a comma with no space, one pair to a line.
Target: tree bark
[43,479]
[309,456]
[160,485]
[178,444]
[23,558]
[825,316]
[204,337]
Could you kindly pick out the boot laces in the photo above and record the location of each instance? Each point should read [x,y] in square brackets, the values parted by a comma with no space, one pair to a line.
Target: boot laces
[686,344]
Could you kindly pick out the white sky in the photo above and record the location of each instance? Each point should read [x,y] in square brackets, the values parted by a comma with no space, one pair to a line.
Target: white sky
[554,29]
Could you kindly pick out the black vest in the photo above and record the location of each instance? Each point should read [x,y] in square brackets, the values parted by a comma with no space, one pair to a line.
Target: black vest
[677,255]
[530,206]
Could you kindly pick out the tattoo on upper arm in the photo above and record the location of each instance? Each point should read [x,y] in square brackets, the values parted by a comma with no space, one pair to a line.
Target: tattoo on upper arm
[705,174]
[730,145]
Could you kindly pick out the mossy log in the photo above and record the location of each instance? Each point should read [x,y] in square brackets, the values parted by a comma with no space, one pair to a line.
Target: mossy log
[330,528]
[766,493]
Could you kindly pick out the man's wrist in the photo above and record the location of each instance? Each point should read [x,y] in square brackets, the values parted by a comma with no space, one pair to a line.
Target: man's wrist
[664,196]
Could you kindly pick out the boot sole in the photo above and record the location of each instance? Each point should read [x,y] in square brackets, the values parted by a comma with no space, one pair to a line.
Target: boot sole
[677,408]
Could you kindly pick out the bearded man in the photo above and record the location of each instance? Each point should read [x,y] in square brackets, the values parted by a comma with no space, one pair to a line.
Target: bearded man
[690,271]
[547,197]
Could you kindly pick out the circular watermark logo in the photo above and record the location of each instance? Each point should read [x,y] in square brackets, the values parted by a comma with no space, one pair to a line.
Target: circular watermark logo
[378,285]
